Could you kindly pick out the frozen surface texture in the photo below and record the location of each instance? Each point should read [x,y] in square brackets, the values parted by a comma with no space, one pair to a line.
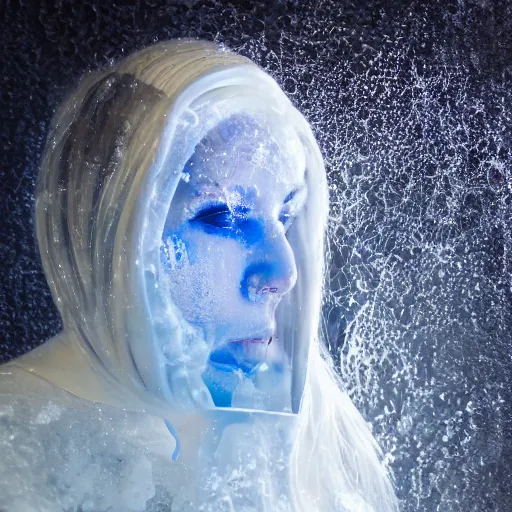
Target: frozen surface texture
[410,103]
[65,453]
[74,455]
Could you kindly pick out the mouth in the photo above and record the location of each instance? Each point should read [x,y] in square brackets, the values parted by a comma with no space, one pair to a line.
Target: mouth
[245,354]
[256,341]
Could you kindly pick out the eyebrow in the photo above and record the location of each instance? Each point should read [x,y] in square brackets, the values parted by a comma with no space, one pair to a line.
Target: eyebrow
[293,193]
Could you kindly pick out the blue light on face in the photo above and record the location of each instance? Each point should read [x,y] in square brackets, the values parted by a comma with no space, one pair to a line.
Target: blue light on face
[233,222]
[231,211]
[228,364]
[221,385]
[234,356]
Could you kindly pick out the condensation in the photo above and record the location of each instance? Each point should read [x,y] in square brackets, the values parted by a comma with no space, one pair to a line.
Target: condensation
[411,107]
[417,310]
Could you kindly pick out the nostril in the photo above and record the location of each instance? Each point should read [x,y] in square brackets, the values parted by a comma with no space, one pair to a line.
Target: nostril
[263,280]
[267,289]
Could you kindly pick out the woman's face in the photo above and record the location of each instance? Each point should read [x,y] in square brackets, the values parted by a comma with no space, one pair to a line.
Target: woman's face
[224,245]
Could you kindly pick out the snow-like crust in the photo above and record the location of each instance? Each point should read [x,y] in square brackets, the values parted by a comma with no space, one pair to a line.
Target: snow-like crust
[60,452]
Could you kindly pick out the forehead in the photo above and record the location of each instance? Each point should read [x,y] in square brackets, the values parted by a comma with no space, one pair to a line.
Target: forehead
[248,152]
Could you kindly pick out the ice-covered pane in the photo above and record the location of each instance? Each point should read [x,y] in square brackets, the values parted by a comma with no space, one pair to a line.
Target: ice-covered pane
[226,262]
[181,211]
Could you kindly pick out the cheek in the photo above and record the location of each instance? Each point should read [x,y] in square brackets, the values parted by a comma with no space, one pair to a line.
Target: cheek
[204,273]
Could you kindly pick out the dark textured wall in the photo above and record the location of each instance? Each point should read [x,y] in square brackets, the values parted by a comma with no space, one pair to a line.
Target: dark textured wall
[410,102]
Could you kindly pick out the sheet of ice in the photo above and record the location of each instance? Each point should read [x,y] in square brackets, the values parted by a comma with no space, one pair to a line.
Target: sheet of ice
[69,454]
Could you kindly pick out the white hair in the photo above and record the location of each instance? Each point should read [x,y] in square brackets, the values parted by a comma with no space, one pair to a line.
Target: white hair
[113,161]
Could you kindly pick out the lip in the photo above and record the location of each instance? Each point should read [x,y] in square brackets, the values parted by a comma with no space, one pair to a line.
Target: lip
[261,341]
[245,354]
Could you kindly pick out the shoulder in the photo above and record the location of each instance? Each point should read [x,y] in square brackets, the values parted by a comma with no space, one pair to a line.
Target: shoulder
[25,396]
[26,406]
[57,450]
[17,382]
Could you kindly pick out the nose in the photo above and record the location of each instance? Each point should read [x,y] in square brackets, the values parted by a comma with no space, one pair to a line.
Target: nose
[274,273]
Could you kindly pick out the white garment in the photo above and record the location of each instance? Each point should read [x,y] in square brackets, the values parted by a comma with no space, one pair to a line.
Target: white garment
[59,452]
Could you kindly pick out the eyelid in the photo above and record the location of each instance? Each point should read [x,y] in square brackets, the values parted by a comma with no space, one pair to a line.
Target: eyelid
[218,208]
[211,210]
[292,206]
[286,217]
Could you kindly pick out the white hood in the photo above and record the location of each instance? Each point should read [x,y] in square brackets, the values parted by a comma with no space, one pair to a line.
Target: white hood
[112,163]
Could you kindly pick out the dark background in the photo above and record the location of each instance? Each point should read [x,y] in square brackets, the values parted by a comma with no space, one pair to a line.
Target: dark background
[410,102]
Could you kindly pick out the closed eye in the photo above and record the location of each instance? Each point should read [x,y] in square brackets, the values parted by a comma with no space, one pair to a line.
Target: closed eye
[212,211]
[220,216]
[286,218]
[293,203]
